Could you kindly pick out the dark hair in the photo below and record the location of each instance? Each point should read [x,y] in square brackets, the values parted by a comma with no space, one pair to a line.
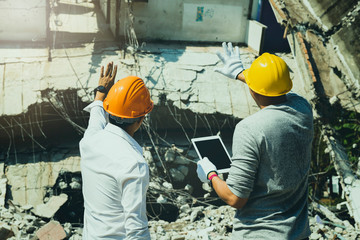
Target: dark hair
[124,125]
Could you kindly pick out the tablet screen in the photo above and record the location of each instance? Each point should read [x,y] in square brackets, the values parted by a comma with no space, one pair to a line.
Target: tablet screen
[213,149]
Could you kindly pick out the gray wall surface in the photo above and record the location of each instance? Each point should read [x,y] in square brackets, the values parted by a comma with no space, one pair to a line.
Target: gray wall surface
[23,20]
[185,20]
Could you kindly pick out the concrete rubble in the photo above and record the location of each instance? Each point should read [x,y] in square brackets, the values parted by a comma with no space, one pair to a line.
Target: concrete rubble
[48,209]
[193,223]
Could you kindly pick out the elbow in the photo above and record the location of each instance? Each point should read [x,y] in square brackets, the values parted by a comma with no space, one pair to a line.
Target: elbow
[236,202]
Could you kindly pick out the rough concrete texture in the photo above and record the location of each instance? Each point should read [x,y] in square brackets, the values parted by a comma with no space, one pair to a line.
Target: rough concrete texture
[52,230]
[193,223]
[48,209]
[184,73]
[330,12]
[329,35]
[3,182]
[180,74]
[28,181]
[347,41]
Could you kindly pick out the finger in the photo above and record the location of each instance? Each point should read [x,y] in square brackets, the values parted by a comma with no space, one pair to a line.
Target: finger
[102,72]
[114,73]
[108,67]
[237,51]
[226,51]
[111,69]
[219,54]
[230,48]
[225,48]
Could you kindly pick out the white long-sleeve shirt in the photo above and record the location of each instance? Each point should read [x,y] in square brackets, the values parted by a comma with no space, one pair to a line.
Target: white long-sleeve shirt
[115,180]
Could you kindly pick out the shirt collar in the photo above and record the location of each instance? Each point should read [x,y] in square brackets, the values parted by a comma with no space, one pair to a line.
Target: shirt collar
[119,131]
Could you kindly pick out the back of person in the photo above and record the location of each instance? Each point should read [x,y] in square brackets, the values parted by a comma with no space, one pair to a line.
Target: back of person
[279,138]
[115,175]
[104,181]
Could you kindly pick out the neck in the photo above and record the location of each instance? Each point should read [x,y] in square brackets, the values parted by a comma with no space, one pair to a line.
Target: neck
[131,129]
[264,101]
[267,101]
[130,132]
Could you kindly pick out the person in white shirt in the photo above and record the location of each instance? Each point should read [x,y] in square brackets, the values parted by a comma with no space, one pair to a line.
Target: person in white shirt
[115,175]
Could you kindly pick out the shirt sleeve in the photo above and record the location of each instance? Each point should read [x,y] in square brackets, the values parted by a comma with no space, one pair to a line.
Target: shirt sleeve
[245,162]
[97,120]
[134,187]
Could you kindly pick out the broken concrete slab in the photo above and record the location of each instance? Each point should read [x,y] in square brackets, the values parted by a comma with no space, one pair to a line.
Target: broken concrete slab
[349,182]
[3,181]
[330,54]
[48,210]
[29,181]
[52,230]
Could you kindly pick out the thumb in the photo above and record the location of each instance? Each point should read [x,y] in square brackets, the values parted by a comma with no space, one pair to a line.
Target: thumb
[220,56]
[206,160]
[219,70]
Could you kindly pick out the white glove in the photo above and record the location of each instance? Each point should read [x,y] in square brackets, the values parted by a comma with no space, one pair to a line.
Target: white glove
[204,167]
[231,60]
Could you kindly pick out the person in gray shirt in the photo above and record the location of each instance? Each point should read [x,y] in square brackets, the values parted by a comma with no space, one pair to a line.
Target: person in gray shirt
[268,178]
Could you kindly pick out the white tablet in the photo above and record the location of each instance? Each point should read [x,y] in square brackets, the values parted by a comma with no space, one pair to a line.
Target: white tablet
[214,149]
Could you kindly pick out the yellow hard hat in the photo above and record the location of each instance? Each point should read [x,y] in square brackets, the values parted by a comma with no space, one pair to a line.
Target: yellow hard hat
[269,76]
[128,98]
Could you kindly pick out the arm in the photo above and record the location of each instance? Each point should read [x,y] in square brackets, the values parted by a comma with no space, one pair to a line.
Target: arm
[241,77]
[205,170]
[223,191]
[97,119]
[134,187]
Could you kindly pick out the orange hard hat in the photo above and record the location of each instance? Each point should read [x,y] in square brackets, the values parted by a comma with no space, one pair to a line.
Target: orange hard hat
[128,98]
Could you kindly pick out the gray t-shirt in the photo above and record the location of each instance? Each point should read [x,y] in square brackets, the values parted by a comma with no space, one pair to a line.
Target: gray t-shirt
[271,160]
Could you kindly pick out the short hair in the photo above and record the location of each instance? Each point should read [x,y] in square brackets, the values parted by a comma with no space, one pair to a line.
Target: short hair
[122,122]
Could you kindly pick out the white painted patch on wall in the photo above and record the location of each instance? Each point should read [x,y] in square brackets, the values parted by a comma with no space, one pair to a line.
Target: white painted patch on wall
[213,21]
[255,35]
[188,20]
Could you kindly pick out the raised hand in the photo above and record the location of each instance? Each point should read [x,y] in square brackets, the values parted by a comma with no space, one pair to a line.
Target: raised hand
[231,60]
[107,80]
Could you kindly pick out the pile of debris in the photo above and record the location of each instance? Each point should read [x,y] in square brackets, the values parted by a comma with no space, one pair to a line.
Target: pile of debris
[193,222]
[196,223]
[178,206]
[19,223]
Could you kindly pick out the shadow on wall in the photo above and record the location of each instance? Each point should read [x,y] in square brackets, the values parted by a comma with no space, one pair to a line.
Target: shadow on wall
[273,41]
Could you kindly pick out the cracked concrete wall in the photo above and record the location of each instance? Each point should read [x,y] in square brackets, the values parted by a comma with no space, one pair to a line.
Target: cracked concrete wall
[341,19]
[347,39]
[28,182]
[329,48]
[331,12]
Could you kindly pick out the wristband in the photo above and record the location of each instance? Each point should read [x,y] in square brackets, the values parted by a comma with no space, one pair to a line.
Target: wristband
[212,176]
[101,89]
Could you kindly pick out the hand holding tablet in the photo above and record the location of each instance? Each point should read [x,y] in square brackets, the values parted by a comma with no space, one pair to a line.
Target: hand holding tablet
[214,149]
[204,167]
